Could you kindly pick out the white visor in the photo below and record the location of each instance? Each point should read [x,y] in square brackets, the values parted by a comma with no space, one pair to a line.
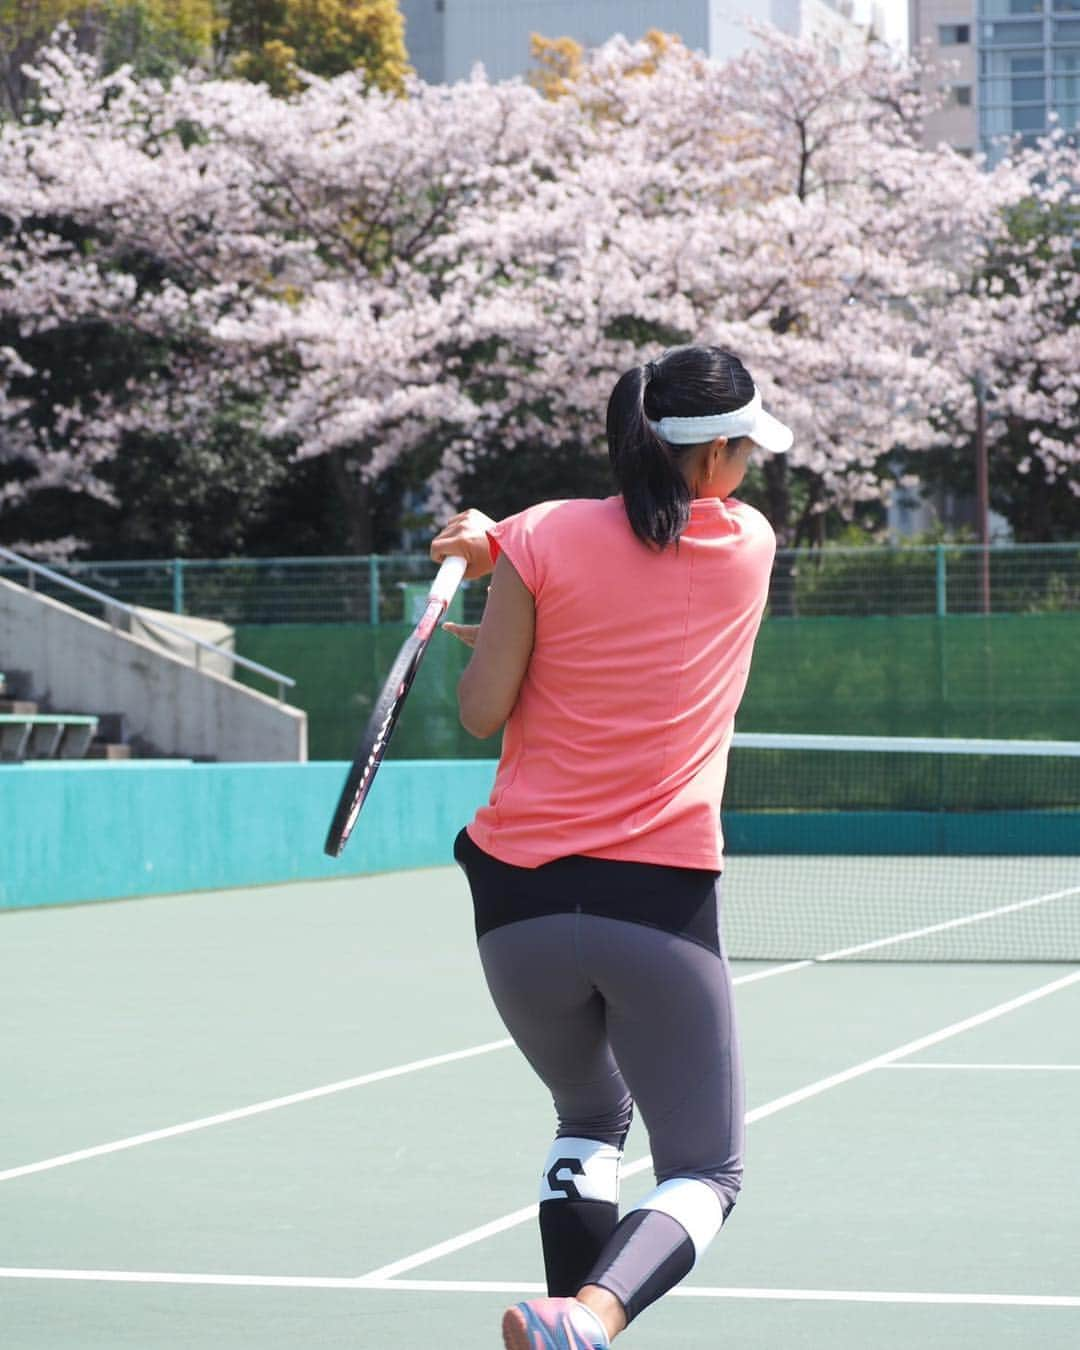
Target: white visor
[750,420]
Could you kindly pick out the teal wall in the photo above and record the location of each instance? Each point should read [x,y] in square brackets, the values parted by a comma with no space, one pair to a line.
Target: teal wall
[73,832]
[905,833]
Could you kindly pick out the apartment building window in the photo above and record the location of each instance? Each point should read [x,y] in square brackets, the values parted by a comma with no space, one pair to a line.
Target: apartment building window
[1029,65]
[954,34]
[1003,9]
[1013,34]
[1067,77]
[1012,77]
[1066,86]
[1012,92]
[961,95]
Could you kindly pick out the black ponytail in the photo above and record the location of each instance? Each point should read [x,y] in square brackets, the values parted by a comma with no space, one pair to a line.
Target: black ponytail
[685,382]
[654,491]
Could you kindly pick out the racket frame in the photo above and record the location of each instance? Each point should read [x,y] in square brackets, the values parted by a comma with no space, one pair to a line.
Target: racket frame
[384,715]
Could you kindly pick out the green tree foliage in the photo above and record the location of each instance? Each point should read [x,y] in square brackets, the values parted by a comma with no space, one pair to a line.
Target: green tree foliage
[157,37]
[154,37]
[1037,496]
[269,41]
[24,26]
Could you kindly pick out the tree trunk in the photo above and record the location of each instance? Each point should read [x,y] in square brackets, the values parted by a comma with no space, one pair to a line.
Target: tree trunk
[782,590]
[354,495]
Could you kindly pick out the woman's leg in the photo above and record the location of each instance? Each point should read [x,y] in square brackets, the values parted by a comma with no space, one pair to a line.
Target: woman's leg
[565,984]
[670,1020]
[558,1021]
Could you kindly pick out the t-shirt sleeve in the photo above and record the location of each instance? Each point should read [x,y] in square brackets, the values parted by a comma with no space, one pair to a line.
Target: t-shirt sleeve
[760,539]
[516,536]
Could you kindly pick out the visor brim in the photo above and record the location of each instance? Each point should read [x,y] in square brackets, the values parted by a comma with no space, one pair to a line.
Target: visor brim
[771,434]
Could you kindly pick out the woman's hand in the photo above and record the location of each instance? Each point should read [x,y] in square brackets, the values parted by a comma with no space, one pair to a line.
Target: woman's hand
[464,632]
[465,536]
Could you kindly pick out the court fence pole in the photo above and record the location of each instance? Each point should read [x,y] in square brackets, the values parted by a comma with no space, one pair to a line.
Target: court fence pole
[982,492]
[941,581]
[373,590]
[178,585]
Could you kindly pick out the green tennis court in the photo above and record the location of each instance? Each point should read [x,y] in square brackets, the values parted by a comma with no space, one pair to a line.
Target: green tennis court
[288,1117]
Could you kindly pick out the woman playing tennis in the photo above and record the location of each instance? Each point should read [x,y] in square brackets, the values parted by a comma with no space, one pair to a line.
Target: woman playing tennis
[614,649]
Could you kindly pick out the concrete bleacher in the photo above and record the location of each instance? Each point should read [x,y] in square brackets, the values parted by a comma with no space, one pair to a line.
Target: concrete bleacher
[34,735]
[28,733]
[171,704]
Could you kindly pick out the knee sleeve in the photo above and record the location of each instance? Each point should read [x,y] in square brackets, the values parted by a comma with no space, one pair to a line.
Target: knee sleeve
[659,1242]
[579,1209]
[694,1204]
[581,1169]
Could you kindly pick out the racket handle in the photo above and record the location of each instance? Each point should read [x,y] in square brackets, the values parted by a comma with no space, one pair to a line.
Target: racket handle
[447,580]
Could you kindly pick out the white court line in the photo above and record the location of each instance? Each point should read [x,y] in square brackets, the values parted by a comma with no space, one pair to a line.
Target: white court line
[513,1287]
[949,923]
[992,1068]
[884,1296]
[771,971]
[778,1104]
[311,1094]
[764,1295]
[171,1277]
[241,1113]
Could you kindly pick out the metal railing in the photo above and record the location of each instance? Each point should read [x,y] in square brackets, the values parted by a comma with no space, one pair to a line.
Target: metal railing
[941,579]
[113,606]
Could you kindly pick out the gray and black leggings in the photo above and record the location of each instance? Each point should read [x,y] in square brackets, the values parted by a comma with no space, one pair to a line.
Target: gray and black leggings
[612,979]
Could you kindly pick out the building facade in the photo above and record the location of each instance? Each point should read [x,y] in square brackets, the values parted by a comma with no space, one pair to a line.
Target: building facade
[942,33]
[1017,64]
[447,38]
[1029,66]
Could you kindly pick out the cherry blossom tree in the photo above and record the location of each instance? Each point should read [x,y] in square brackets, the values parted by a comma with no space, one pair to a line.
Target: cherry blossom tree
[1014,335]
[455,278]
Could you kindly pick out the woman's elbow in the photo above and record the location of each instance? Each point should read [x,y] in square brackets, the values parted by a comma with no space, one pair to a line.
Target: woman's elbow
[478,720]
[481,715]
[481,730]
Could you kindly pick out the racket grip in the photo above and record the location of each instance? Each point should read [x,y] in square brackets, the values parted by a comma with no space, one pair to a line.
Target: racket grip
[447,580]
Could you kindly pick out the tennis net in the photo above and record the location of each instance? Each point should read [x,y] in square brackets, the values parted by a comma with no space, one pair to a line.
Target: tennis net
[903,849]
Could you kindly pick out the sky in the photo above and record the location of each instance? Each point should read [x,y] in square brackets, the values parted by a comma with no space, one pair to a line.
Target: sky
[896,19]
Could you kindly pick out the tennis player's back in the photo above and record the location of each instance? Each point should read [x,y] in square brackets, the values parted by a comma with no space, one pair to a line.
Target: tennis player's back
[618,743]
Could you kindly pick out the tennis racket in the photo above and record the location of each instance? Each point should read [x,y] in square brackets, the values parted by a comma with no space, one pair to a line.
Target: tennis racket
[384,715]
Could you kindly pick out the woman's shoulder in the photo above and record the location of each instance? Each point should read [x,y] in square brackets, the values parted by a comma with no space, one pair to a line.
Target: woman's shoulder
[570,513]
[750,518]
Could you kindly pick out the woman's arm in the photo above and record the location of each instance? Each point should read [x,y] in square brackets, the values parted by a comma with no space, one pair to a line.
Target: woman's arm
[489,685]
[465,535]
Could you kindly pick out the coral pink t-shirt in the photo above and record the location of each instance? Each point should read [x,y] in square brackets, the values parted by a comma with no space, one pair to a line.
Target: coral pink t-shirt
[617,745]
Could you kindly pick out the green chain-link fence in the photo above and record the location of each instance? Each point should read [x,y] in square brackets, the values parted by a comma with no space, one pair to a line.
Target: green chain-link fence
[887,641]
[938,579]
